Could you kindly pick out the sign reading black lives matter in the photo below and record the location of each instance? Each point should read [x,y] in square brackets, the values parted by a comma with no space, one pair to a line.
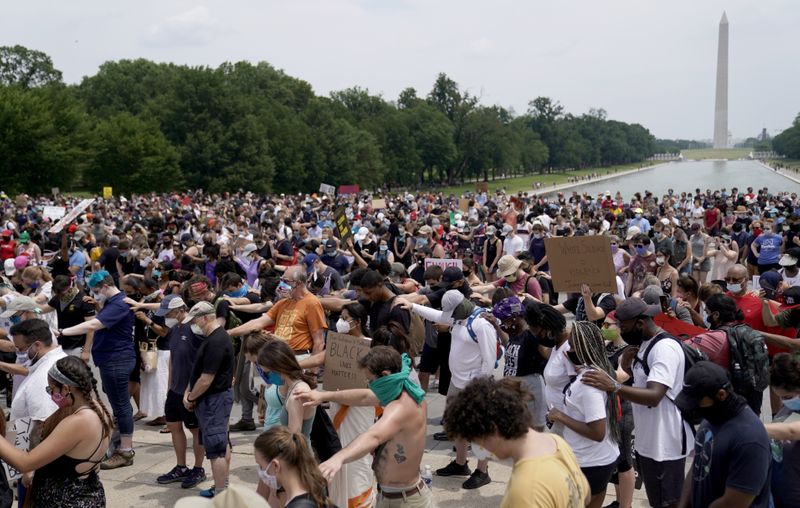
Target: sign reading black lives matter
[342,353]
[342,224]
[581,260]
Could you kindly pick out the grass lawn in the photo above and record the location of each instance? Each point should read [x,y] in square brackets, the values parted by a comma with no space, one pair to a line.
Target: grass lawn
[525,183]
[786,163]
[711,153]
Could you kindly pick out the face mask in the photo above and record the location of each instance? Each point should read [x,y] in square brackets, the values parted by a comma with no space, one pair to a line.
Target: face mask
[632,337]
[15,320]
[658,235]
[144,262]
[99,297]
[239,293]
[614,249]
[660,261]
[268,479]
[284,288]
[721,411]
[709,322]
[511,278]
[170,322]
[537,236]
[197,330]
[262,374]
[33,358]
[792,404]
[608,334]
[60,399]
[156,274]
[422,242]
[734,288]
[34,285]
[384,248]
[342,326]
[274,378]
[642,251]
[638,216]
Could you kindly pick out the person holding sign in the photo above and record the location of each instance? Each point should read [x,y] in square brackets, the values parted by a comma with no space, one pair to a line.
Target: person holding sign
[397,438]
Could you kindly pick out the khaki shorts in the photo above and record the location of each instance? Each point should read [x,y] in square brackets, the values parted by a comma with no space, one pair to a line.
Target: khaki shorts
[423,499]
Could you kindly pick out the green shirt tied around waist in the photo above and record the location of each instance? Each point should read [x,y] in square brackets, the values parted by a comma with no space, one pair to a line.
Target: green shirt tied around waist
[388,388]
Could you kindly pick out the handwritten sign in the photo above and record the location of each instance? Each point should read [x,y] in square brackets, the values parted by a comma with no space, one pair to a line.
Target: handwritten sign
[463,204]
[54,212]
[108,192]
[330,190]
[378,204]
[342,353]
[581,260]
[342,224]
[56,191]
[482,187]
[71,216]
[23,442]
[444,263]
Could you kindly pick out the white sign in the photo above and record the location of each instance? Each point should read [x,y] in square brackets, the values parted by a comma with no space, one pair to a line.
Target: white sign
[444,263]
[71,216]
[54,212]
[330,190]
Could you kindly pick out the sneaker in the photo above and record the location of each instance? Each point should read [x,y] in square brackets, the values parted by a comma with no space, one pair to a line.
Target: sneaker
[178,473]
[453,469]
[243,426]
[476,480]
[208,493]
[194,476]
[440,436]
[119,459]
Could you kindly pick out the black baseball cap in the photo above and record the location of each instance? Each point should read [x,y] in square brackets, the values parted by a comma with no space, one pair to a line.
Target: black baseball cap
[632,308]
[330,245]
[791,296]
[704,379]
[450,275]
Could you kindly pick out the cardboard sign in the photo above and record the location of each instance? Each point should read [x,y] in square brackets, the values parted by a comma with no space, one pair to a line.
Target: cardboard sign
[581,260]
[342,224]
[463,204]
[108,192]
[21,200]
[54,212]
[444,263]
[342,353]
[71,216]
[330,190]
[482,187]
[378,204]
[56,191]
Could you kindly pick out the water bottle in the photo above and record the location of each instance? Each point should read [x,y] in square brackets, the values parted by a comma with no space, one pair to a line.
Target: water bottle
[427,476]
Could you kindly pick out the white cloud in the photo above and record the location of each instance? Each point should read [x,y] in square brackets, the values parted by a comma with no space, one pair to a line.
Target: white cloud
[192,27]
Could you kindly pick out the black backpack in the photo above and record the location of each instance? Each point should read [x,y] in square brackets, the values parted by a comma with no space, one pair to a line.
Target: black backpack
[690,354]
[749,364]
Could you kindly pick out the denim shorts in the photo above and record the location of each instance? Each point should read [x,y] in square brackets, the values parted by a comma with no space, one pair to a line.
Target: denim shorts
[214,413]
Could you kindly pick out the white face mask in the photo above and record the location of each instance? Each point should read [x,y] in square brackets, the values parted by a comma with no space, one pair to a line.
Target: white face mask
[734,288]
[342,326]
[99,297]
[268,479]
[170,322]
[197,330]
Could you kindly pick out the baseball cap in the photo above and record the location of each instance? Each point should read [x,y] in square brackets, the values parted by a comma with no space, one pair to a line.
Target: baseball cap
[309,260]
[25,237]
[451,274]
[249,248]
[788,260]
[8,266]
[398,269]
[18,304]
[770,279]
[79,235]
[632,308]
[791,296]
[199,309]
[7,232]
[425,230]
[169,303]
[450,301]
[508,308]
[704,379]
[632,231]
[330,245]
[235,496]
[652,295]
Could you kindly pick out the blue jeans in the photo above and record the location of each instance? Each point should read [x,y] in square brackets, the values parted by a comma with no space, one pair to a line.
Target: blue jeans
[115,375]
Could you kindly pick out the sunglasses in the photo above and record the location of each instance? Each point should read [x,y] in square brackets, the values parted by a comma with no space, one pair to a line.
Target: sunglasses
[732,279]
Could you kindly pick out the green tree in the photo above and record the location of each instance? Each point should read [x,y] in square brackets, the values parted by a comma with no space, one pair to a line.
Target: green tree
[28,68]
[788,142]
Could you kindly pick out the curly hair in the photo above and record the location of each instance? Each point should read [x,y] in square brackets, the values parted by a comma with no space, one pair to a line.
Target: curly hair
[785,371]
[487,405]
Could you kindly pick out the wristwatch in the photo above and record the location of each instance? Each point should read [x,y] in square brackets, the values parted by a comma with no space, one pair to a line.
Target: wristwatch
[617,386]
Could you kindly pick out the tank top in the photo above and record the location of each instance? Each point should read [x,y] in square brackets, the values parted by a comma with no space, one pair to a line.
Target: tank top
[698,244]
[64,466]
[305,429]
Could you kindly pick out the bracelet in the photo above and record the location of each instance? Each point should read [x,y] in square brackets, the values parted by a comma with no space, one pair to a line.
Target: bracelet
[617,387]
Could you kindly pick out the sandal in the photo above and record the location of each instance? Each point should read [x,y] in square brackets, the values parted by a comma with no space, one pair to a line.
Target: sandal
[156,422]
[138,416]
[164,430]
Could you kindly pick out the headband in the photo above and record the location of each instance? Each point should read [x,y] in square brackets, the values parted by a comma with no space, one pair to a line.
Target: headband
[61,378]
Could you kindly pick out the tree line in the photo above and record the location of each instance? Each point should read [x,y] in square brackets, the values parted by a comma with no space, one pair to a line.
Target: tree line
[141,126]
[788,142]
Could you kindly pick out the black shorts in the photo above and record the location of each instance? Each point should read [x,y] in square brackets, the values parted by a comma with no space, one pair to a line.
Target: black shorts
[598,477]
[175,411]
[429,360]
[663,481]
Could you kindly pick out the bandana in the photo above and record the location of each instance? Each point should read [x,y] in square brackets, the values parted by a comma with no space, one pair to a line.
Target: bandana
[388,388]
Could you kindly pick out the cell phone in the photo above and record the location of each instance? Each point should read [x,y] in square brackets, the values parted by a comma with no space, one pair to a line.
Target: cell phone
[664,303]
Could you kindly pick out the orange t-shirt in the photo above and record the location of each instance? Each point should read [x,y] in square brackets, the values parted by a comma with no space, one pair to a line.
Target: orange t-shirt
[296,320]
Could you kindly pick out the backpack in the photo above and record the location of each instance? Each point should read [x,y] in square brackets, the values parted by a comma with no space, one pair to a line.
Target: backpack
[749,368]
[474,336]
[418,334]
[691,355]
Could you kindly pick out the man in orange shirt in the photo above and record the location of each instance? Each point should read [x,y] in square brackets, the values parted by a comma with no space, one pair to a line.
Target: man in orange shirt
[298,318]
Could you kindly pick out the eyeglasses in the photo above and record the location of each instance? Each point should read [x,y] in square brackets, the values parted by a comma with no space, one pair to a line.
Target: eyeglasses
[49,390]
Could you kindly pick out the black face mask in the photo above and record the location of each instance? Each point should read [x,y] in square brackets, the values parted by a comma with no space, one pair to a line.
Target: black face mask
[634,337]
[722,410]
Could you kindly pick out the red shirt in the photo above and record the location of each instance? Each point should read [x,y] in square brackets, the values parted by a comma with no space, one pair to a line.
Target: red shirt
[7,249]
[712,214]
[750,305]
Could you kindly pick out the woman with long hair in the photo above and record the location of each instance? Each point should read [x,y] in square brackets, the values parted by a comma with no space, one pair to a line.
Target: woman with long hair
[590,416]
[286,462]
[280,367]
[74,441]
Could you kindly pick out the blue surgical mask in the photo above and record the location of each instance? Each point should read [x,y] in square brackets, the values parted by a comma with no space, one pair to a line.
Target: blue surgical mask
[156,274]
[273,378]
[422,242]
[15,319]
[284,287]
[239,293]
[793,404]
[384,248]
[734,288]
[642,251]
[261,373]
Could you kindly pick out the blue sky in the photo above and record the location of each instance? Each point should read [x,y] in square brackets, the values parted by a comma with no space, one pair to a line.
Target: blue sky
[646,62]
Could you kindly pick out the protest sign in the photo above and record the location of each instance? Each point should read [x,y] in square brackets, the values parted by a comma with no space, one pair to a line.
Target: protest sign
[330,190]
[581,260]
[444,263]
[345,190]
[56,191]
[108,192]
[463,204]
[378,204]
[482,187]
[71,216]
[54,212]
[342,353]
[21,200]
[342,224]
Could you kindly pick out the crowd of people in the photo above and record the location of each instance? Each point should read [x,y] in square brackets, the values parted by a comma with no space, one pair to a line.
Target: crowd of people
[171,309]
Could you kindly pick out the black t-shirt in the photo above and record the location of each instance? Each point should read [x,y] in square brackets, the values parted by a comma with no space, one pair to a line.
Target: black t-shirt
[575,305]
[183,345]
[144,333]
[74,313]
[736,454]
[304,501]
[215,356]
[418,273]
[223,307]
[381,313]
[59,266]
[523,357]
[108,260]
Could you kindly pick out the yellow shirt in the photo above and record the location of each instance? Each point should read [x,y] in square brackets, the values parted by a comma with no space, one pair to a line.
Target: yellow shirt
[548,481]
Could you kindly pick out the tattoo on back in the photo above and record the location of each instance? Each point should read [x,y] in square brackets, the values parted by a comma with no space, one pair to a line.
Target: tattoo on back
[400,456]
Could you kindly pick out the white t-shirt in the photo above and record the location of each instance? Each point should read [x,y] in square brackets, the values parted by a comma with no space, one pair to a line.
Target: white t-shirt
[586,404]
[556,376]
[660,436]
[512,245]
[30,397]
[790,281]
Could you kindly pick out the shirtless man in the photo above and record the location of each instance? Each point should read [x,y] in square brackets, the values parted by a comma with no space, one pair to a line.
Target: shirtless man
[397,438]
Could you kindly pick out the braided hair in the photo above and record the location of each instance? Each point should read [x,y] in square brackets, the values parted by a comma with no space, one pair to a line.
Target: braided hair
[76,370]
[587,342]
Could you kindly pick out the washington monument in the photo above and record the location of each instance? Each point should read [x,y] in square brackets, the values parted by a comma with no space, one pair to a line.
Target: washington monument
[721,107]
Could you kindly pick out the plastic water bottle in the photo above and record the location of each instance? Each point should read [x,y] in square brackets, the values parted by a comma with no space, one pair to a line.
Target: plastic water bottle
[427,476]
